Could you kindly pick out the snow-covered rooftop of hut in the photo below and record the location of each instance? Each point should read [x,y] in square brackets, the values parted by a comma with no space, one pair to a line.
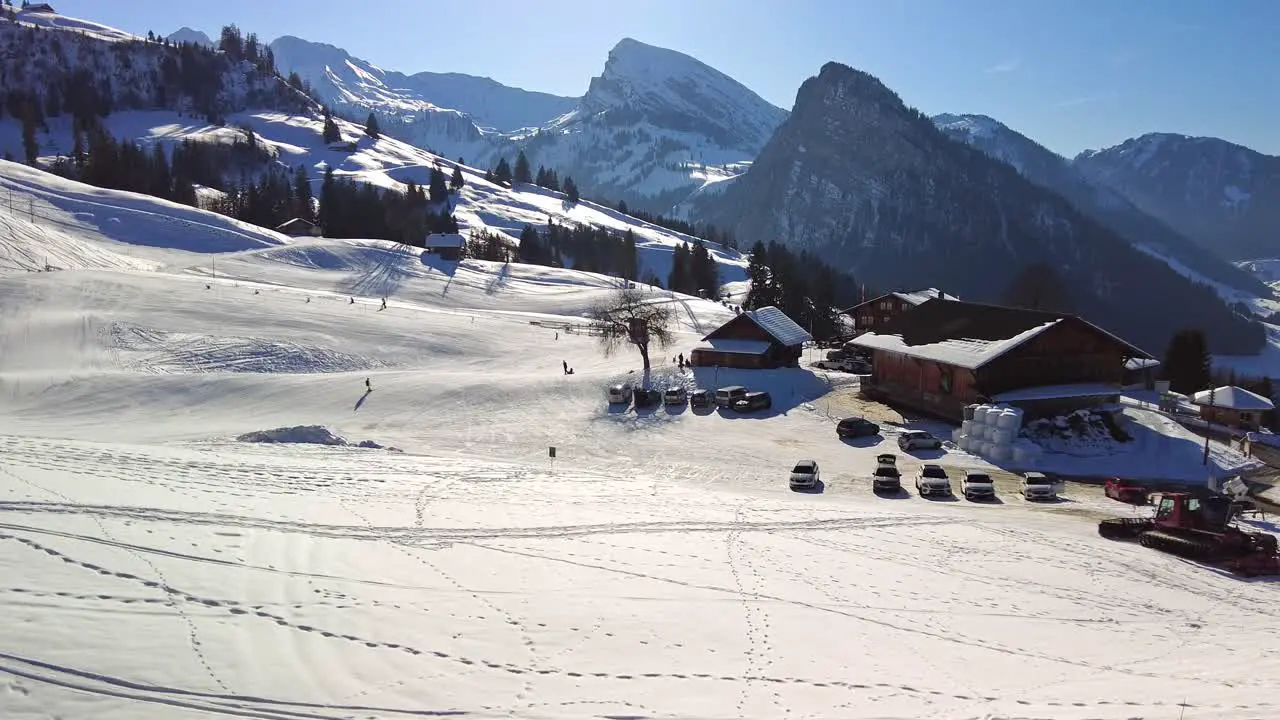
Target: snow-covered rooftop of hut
[916,297]
[1054,392]
[1232,398]
[777,324]
[1140,363]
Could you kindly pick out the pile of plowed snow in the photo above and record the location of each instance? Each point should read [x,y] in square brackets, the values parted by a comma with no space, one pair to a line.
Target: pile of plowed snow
[307,435]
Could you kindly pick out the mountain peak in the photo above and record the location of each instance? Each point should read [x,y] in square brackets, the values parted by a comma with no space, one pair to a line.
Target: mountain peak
[186,34]
[669,89]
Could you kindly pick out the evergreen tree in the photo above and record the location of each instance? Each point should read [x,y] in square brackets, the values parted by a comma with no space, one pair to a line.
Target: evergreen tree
[630,260]
[489,178]
[622,207]
[1039,287]
[502,173]
[331,133]
[1187,363]
[302,195]
[30,148]
[678,278]
[531,250]
[540,179]
[570,189]
[439,188]
[760,290]
[328,203]
[456,182]
[522,173]
[371,126]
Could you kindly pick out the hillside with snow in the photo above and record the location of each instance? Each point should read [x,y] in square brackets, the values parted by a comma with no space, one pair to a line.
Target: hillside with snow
[403,546]
[655,126]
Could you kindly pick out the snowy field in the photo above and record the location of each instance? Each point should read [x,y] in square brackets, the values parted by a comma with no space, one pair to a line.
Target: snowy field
[154,567]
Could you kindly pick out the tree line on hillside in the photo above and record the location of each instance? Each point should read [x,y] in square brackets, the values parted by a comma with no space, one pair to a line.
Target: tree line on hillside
[580,247]
[503,174]
[45,74]
[709,232]
[360,210]
[693,270]
[803,286]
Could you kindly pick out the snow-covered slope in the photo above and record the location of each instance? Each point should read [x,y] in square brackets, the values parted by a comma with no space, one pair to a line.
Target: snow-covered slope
[390,163]
[88,28]
[155,568]
[347,82]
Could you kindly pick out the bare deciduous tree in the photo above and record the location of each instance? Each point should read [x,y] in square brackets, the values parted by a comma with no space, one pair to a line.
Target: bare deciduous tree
[628,318]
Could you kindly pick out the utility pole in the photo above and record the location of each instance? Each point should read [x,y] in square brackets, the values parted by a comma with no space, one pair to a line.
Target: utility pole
[1208,428]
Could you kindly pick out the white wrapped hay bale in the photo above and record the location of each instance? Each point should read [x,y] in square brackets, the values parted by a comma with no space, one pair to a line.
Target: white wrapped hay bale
[980,414]
[956,435]
[1003,436]
[999,453]
[964,443]
[967,426]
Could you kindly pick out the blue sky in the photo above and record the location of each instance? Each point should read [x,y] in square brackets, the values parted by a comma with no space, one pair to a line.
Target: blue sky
[1071,74]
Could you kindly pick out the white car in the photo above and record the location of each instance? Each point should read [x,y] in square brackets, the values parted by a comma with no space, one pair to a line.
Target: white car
[620,394]
[933,480]
[674,396]
[913,439]
[978,486]
[804,475]
[1037,486]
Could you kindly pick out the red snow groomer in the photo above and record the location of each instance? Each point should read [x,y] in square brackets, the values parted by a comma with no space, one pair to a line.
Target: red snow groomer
[1199,529]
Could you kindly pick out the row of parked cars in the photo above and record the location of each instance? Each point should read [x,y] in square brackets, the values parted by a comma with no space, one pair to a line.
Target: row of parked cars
[855,427]
[734,397]
[931,481]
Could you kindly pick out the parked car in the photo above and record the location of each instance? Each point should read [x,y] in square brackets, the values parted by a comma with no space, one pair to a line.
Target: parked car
[1038,486]
[701,399]
[804,475]
[753,401]
[837,354]
[918,440]
[886,479]
[977,486]
[620,394]
[856,427]
[674,396]
[932,480]
[646,398]
[887,460]
[727,396]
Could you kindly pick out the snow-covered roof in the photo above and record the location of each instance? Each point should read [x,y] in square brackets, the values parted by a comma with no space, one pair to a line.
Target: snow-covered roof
[777,324]
[443,240]
[966,353]
[1140,363]
[1051,392]
[916,297]
[734,347]
[1232,398]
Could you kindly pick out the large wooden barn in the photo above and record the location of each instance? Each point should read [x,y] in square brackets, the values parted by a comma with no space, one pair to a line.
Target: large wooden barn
[943,355]
[870,315]
[761,338]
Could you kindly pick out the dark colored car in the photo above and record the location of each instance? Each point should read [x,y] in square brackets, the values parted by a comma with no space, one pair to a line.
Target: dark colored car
[646,398]
[701,399]
[856,427]
[886,479]
[753,401]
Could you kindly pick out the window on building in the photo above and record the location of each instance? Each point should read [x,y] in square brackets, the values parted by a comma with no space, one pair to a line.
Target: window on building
[946,381]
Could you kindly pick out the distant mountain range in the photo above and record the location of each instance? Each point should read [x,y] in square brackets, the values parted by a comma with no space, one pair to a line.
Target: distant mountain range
[858,178]
[1222,195]
[1101,202]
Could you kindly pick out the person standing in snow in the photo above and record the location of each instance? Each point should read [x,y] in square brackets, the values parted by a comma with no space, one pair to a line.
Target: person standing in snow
[384,304]
[566,366]
[368,386]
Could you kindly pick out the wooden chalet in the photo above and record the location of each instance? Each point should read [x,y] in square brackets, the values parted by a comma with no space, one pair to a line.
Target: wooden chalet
[299,227]
[944,355]
[448,246]
[1233,406]
[872,314]
[761,338]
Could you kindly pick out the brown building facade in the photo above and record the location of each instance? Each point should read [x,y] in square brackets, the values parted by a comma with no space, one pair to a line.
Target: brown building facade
[873,314]
[944,355]
[753,339]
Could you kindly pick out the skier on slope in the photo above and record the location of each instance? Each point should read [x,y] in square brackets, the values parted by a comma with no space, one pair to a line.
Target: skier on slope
[368,386]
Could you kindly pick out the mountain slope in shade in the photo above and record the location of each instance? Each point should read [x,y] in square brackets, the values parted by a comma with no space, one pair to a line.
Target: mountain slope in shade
[1222,195]
[874,187]
[1053,172]
[186,34]
[343,80]
[654,126]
